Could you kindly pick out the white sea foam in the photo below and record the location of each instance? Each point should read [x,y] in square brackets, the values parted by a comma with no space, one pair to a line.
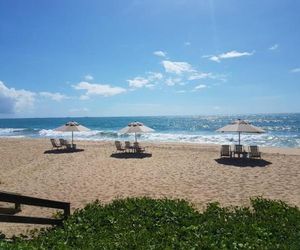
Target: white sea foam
[267,139]
[10,131]
[53,133]
[210,138]
[247,139]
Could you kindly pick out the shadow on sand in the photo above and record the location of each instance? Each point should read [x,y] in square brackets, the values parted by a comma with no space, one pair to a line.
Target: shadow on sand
[240,162]
[130,155]
[63,151]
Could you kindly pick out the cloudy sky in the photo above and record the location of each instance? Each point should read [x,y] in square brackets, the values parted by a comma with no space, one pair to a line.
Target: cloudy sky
[151,57]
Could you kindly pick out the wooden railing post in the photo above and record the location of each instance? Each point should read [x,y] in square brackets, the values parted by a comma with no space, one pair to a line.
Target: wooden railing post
[17,207]
[28,200]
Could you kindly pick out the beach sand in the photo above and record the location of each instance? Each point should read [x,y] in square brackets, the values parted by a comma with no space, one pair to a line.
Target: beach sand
[190,171]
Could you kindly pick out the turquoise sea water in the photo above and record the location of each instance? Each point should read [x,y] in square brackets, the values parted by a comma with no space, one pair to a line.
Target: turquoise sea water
[283,130]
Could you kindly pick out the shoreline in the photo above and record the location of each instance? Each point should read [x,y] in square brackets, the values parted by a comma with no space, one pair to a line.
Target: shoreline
[264,149]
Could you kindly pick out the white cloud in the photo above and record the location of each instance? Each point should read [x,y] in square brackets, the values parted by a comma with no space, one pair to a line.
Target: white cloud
[215,58]
[181,91]
[150,86]
[88,78]
[200,75]
[84,97]
[138,82]
[296,70]
[152,76]
[176,73]
[98,89]
[177,67]
[172,81]
[149,81]
[200,86]
[12,100]
[230,54]
[205,75]
[185,72]
[187,43]
[274,47]
[160,53]
[54,96]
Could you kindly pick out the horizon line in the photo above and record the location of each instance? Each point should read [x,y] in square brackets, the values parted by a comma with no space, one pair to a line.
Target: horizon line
[128,116]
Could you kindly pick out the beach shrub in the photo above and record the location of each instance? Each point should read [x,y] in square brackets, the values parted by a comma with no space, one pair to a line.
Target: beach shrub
[2,236]
[144,223]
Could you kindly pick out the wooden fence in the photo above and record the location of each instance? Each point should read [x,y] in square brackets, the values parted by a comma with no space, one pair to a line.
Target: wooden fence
[19,200]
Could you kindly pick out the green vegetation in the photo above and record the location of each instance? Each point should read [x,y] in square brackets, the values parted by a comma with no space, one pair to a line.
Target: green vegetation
[146,223]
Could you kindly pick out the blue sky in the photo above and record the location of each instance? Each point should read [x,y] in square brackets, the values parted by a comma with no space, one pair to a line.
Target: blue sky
[152,57]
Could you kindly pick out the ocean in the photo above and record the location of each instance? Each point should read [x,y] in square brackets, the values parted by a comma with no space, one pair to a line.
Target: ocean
[282,130]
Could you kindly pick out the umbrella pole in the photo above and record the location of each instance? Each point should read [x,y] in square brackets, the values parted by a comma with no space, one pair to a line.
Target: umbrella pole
[239,138]
[135,137]
[72,138]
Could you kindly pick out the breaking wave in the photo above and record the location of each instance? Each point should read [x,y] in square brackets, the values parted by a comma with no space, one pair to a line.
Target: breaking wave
[283,130]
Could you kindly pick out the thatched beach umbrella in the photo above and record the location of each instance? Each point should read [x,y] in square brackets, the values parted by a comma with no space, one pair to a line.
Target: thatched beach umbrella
[241,126]
[136,128]
[72,127]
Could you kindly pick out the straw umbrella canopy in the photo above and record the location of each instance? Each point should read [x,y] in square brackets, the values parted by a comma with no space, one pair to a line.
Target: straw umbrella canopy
[72,127]
[241,126]
[136,128]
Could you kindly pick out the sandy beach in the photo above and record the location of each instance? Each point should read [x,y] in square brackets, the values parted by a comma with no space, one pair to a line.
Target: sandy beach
[190,171]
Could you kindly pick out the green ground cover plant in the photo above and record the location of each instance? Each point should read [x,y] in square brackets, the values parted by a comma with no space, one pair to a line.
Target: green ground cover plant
[145,223]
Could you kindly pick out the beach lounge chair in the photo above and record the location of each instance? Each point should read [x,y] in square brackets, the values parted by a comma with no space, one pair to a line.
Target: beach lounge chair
[119,146]
[138,148]
[254,152]
[225,151]
[55,144]
[128,146]
[239,150]
[65,143]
